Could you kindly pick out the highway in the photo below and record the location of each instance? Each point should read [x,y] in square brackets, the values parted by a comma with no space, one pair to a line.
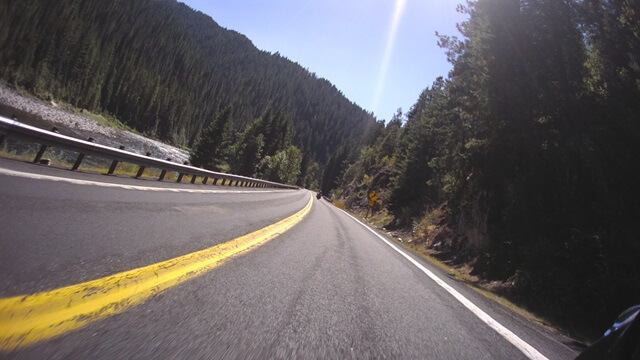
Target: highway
[327,287]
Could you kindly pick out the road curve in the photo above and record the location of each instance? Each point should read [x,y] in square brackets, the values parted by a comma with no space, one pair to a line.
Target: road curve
[326,288]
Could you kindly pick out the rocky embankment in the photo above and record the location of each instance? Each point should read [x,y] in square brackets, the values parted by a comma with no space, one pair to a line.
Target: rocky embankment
[47,115]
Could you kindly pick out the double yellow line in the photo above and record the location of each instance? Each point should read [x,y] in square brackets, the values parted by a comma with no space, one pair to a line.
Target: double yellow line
[27,319]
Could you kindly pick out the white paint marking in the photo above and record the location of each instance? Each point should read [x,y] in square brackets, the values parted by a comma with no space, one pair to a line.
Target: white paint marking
[128,187]
[526,349]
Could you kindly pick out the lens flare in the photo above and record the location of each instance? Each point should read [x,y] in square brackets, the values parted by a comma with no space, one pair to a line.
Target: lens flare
[391,39]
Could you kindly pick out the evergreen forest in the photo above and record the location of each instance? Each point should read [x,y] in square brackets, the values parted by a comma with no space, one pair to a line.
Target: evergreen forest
[169,72]
[524,162]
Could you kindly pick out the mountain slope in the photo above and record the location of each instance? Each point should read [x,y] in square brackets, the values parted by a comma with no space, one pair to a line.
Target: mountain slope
[166,70]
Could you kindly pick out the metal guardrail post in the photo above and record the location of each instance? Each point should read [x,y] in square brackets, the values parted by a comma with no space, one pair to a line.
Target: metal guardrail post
[181,175]
[2,135]
[142,167]
[163,173]
[81,156]
[43,148]
[114,163]
[193,179]
[215,181]
[204,181]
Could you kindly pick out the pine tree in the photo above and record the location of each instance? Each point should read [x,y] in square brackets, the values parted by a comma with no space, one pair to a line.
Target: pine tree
[212,150]
[246,153]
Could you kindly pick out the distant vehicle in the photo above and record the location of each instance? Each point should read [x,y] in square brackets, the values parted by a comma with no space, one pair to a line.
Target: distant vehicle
[319,195]
[620,341]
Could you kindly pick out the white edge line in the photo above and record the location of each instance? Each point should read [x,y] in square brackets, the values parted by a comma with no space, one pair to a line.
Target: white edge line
[526,349]
[128,187]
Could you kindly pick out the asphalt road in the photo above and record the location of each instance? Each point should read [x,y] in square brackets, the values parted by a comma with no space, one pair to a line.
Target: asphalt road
[327,288]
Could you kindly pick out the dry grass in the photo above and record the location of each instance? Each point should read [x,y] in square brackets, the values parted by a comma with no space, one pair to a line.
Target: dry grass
[433,226]
[380,218]
[13,155]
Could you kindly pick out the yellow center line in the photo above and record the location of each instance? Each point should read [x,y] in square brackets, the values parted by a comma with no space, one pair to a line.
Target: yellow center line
[27,319]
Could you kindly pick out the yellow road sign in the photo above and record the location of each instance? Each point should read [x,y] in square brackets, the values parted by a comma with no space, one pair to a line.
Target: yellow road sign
[373,196]
[371,203]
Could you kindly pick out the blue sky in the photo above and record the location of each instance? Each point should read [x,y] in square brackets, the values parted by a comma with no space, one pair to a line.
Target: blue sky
[348,42]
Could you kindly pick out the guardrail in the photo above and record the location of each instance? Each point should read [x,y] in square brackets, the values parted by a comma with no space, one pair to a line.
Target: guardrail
[13,128]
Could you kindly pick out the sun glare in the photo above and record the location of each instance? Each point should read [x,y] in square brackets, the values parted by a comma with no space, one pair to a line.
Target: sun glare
[384,66]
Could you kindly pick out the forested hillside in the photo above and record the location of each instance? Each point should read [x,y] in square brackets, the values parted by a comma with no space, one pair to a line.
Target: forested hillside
[524,163]
[167,71]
